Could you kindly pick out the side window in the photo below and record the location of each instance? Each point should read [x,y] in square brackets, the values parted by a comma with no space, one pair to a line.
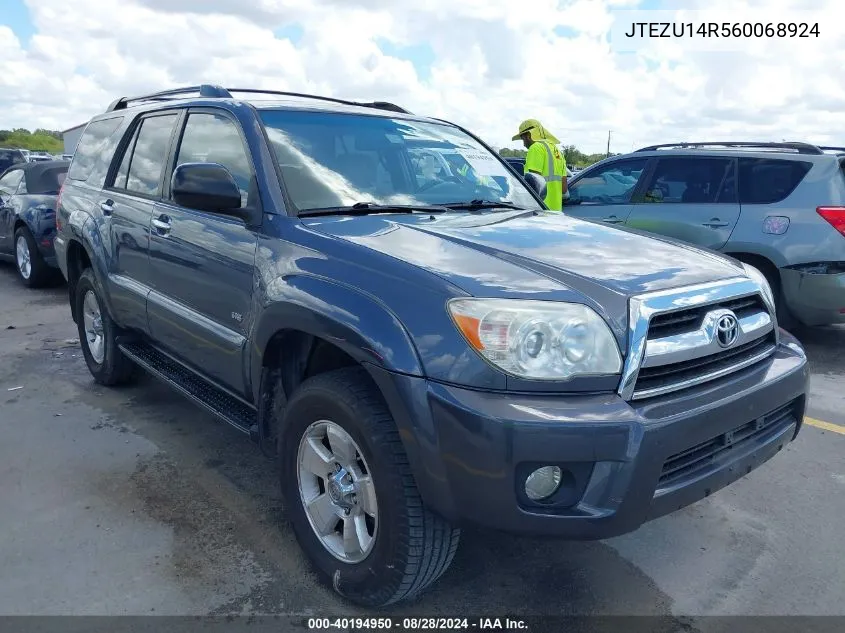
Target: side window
[22,186]
[95,151]
[213,138]
[9,183]
[611,184]
[123,169]
[149,155]
[768,180]
[692,181]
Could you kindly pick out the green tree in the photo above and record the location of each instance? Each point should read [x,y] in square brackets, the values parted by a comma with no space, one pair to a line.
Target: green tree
[42,141]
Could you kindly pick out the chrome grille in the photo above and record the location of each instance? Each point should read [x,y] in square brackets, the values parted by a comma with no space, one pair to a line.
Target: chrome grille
[670,323]
[683,338]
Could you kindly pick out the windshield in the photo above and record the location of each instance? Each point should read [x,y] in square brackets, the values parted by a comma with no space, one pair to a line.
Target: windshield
[337,160]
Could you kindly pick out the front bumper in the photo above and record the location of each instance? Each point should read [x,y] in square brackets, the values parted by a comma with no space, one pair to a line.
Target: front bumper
[471,450]
[814,298]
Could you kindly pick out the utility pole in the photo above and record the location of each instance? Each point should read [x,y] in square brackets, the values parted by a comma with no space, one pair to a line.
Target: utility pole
[608,144]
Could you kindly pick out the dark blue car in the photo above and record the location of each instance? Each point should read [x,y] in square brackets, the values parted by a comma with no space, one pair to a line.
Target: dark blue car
[385,307]
[28,195]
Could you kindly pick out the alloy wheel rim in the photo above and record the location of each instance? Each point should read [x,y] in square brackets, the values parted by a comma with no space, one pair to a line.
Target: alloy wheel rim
[337,491]
[23,257]
[93,323]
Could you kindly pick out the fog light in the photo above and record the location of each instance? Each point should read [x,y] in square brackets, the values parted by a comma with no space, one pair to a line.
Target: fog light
[542,483]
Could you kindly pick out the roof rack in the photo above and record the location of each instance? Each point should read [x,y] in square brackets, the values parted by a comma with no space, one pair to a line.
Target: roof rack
[218,92]
[801,148]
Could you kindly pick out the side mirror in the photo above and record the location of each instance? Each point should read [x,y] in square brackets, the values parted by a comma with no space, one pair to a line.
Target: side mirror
[536,182]
[207,187]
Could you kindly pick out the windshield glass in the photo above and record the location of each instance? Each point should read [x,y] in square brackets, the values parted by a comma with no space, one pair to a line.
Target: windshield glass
[336,160]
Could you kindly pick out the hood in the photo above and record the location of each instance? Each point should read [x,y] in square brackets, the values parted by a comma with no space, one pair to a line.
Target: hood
[548,257]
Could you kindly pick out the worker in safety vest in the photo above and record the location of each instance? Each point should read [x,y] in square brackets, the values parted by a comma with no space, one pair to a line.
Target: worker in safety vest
[544,158]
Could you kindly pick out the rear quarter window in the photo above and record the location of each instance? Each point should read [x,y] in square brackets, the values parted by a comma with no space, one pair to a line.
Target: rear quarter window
[95,150]
[767,180]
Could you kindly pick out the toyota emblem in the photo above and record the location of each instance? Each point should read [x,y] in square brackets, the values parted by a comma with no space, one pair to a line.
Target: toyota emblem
[727,330]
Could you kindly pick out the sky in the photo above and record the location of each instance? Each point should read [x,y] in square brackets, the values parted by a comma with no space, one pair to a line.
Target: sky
[484,64]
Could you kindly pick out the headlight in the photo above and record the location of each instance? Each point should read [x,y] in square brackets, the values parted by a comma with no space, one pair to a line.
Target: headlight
[540,340]
[760,278]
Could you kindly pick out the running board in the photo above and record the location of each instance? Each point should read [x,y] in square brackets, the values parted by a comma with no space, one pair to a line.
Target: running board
[215,400]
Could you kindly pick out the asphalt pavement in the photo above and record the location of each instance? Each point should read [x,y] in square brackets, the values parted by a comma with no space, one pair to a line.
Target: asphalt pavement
[133,501]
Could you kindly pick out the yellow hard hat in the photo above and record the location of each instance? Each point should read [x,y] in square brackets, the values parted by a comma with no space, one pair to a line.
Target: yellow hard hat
[537,131]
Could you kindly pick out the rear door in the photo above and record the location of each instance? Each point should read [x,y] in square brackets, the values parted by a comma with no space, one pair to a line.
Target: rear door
[128,206]
[605,192]
[691,198]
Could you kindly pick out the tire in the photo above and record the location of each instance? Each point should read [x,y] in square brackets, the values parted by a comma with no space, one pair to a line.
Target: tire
[33,271]
[411,547]
[98,335]
[784,315]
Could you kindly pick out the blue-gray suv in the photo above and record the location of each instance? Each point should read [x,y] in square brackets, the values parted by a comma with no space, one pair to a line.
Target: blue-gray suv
[779,207]
[387,308]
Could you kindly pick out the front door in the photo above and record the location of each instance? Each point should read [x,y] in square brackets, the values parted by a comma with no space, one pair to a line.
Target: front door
[604,193]
[8,186]
[203,263]
[690,198]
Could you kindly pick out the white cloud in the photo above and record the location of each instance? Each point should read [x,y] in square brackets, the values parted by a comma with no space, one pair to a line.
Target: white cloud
[495,63]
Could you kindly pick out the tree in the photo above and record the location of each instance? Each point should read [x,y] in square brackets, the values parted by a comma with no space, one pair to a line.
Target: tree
[42,140]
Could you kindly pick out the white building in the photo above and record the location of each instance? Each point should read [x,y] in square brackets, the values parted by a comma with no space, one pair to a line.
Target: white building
[70,137]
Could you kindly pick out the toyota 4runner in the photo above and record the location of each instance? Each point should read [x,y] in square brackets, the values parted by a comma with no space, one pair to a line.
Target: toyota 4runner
[420,347]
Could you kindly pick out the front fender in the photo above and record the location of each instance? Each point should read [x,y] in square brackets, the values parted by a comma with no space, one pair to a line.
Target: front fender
[358,323]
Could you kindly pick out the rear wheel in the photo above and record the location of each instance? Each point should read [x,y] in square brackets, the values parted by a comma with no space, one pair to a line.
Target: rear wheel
[33,271]
[351,496]
[98,335]
[785,317]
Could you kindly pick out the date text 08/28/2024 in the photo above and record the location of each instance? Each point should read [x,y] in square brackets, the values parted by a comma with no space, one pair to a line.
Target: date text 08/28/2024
[723,29]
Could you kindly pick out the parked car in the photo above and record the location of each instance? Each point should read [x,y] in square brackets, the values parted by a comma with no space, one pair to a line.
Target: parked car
[9,157]
[28,195]
[418,354]
[777,206]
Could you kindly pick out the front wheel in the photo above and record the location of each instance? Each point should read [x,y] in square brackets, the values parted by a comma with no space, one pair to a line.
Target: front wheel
[351,496]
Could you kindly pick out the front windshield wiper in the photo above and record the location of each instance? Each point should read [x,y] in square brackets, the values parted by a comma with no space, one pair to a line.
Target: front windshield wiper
[483,204]
[366,208]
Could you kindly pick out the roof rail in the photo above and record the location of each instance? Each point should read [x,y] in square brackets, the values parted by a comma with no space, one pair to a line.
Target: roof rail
[218,92]
[828,148]
[204,90]
[801,148]
[381,105]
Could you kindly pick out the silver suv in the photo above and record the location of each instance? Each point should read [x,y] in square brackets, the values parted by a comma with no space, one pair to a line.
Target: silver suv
[777,206]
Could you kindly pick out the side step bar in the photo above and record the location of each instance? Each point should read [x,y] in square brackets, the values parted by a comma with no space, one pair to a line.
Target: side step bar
[215,400]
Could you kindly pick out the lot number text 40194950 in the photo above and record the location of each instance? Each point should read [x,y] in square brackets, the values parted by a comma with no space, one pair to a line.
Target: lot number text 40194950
[723,29]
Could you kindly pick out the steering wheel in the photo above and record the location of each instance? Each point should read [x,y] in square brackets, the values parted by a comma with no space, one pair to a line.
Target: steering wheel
[437,183]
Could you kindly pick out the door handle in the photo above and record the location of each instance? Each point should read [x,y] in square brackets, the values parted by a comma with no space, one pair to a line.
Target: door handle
[107,207]
[162,224]
[714,223]
[612,219]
